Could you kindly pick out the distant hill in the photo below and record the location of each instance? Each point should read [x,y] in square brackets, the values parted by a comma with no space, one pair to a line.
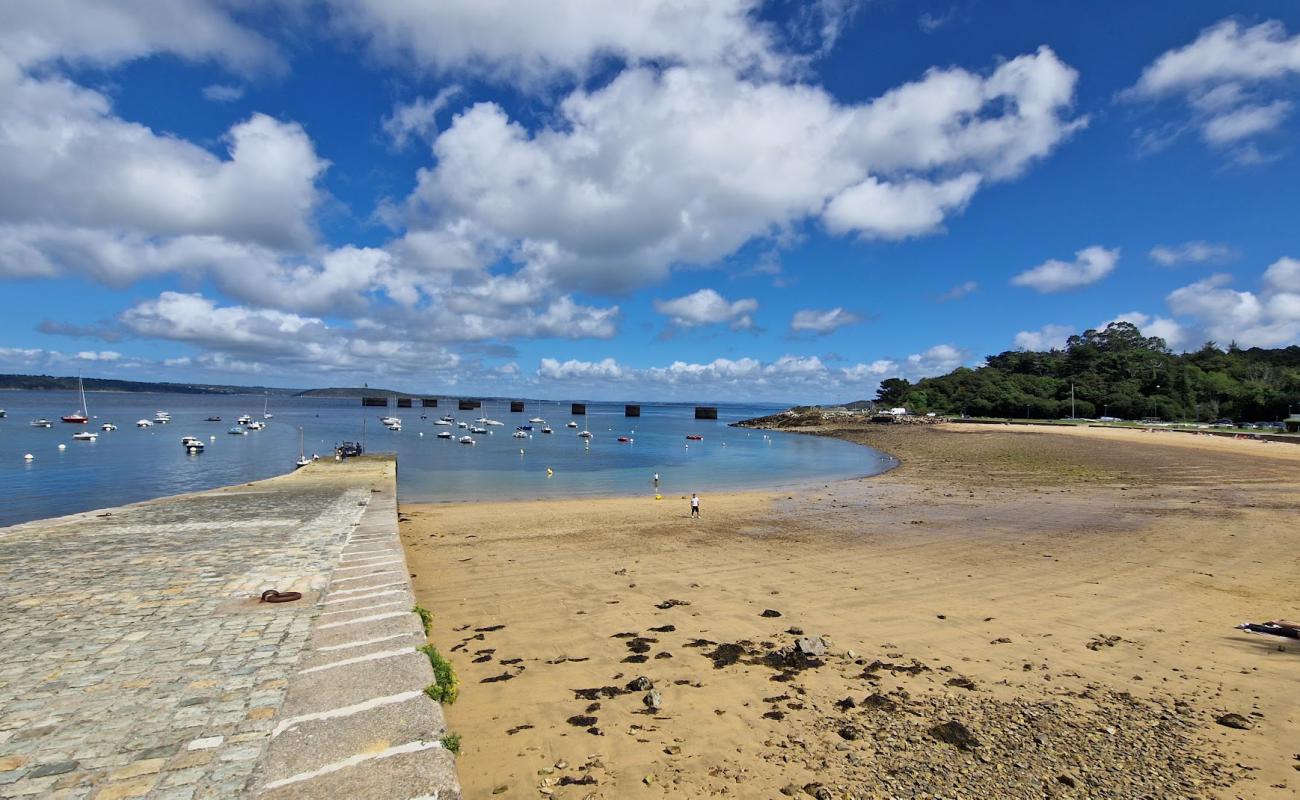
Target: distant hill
[50,383]
[352,391]
[1113,372]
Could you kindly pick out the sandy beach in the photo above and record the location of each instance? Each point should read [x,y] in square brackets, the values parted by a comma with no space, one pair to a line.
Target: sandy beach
[1013,612]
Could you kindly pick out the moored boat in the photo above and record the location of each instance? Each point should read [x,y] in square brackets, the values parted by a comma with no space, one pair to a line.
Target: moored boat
[143,423]
[108,426]
[584,434]
[41,423]
[192,444]
[82,415]
[694,437]
[466,440]
[626,439]
[444,434]
[237,431]
[213,419]
[85,436]
[571,424]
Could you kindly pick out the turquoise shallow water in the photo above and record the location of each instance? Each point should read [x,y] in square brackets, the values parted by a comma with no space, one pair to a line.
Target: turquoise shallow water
[131,464]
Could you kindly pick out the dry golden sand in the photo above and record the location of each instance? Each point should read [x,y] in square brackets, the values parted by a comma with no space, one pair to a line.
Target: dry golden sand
[995,554]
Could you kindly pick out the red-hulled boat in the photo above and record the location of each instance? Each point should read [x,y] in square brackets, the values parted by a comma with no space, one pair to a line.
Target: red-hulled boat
[79,417]
[694,437]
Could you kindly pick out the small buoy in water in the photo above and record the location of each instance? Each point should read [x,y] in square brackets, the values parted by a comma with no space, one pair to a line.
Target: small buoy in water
[549,472]
[28,457]
[63,447]
[212,438]
[421,433]
[659,497]
[521,451]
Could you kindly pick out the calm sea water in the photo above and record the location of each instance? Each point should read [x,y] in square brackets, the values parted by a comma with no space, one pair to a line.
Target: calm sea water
[133,464]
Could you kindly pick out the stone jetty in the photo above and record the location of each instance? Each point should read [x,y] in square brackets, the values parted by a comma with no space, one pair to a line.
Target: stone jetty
[139,661]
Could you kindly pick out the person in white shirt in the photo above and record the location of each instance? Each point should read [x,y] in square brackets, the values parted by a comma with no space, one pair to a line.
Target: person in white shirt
[695,504]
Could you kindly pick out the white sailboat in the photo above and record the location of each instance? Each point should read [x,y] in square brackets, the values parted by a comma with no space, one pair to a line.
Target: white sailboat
[266,408]
[82,415]
[303,460]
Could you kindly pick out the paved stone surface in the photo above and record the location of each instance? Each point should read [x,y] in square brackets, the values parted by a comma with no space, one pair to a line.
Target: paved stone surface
[137,661]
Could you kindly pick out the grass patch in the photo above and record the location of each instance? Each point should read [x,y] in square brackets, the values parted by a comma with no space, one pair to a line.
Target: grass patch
[426,617]
[446,687]
[451,743]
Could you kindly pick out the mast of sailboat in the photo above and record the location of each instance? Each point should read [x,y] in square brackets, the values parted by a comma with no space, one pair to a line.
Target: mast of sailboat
[301,452]
[82,386]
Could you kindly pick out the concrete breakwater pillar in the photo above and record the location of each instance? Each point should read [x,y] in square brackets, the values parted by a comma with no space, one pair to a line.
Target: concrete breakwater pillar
[403,402]
[579,408]
[516,406]
[706,412]
[377,402]
[468,405]
[631,411]
[429,402]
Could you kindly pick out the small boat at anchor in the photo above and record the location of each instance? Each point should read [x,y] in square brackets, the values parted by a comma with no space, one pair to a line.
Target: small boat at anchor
[108,426]
[626,440]
[85,436]
[82,415]
[192,444]
[41,423]
[571,424]
[213,419]
[466,440]
[143,423]
[303,460]
[694,437]
[237,431]
[444,434]
[584,434]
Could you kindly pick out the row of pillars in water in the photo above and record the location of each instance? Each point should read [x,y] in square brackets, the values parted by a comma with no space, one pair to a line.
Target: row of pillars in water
[517,406]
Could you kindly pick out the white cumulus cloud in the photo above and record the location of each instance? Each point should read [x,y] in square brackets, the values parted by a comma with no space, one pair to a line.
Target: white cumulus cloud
[1229,77]
[1269,318]
[1048,337]
[418,119]
[707,307]
[686,165]
[1197,252]
[820,322]
[1090,265]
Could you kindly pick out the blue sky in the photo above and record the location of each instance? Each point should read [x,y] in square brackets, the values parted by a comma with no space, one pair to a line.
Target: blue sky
[677,200]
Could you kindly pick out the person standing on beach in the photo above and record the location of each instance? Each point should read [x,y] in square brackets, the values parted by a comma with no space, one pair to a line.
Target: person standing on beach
[695,504]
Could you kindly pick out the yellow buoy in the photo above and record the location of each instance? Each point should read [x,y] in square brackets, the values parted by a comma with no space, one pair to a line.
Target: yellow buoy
[549,473]
[659,497]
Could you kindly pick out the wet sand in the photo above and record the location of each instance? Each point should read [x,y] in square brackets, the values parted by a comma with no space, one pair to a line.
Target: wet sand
[1064,596]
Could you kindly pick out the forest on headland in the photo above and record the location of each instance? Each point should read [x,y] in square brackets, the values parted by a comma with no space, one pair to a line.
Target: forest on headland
[1114,372]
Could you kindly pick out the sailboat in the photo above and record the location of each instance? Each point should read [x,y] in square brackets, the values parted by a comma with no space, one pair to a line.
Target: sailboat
[303,460]
[266,408]
[81,416]
[538,419]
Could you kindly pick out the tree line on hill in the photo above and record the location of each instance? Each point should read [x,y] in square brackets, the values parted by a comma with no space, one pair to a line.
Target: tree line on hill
[1114,372]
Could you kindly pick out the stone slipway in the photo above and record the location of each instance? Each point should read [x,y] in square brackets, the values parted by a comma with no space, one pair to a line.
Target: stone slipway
[135,660]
